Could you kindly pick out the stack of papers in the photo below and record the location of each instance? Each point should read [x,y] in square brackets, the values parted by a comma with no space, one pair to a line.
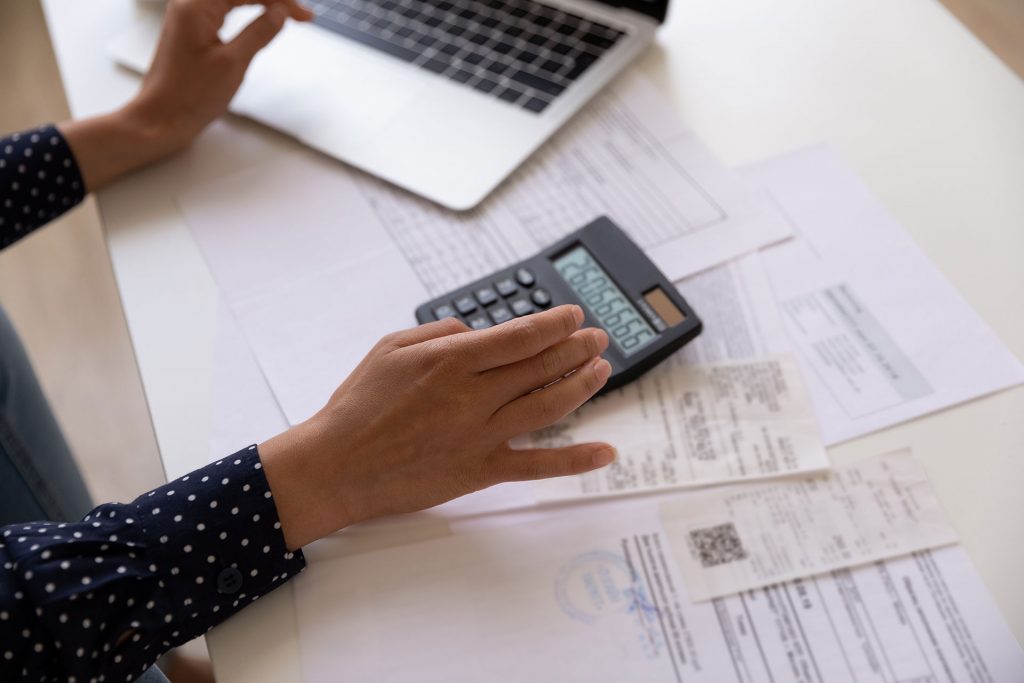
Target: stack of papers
[822,322]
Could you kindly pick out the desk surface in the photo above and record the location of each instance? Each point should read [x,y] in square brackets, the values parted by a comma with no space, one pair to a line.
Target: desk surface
[921,109]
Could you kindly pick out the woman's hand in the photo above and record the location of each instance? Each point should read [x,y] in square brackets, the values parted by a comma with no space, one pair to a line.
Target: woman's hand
[192,79]
[428,415]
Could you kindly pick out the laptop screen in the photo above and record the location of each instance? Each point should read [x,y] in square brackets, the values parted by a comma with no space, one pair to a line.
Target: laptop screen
[653,8]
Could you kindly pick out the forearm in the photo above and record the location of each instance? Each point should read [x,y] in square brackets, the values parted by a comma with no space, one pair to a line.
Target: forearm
[112,145]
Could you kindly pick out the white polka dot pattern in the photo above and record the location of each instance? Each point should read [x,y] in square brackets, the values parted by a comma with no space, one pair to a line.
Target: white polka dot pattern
[102,598]
[39,180]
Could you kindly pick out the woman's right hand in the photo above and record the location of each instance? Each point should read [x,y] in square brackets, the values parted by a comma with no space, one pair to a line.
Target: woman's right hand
[427,417]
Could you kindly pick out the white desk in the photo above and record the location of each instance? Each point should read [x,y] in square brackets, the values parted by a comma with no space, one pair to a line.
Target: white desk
[921,109]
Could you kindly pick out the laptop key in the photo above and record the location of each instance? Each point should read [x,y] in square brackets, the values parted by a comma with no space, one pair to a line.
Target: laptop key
[485,85]
[583,62]
[597,40]
[536,105]
[552,65]
[510,94]
[435,65]
[537,82]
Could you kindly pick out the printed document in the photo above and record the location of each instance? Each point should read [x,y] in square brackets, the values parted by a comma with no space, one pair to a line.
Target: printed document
[732,539]
[687,425]
[317,262]
[881,334]
[586,595]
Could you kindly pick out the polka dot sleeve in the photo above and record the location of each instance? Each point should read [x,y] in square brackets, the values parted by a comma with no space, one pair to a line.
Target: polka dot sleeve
[101,599]
[39,180]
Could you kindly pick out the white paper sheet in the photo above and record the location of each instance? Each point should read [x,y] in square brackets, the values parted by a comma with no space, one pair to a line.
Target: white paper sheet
[882,336]
[598,597]
[244,409]
[317,262]
[736,538]
[690,425]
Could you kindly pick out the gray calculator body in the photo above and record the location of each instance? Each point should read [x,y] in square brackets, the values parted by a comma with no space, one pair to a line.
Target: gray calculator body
[600,268]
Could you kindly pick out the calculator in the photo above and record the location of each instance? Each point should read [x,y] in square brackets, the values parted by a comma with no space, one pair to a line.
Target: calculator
[600,268]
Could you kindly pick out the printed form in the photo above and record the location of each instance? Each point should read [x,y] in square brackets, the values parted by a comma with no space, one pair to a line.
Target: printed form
[599,597]
[317,262]
[881,334]
[736,538]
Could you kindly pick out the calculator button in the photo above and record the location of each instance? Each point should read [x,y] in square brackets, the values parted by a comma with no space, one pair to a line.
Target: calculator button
[541,297]
[479,322]
[465,304]
[500,314]
[522,307]
[486,296]
[444,311]
[506,287]
[525,277]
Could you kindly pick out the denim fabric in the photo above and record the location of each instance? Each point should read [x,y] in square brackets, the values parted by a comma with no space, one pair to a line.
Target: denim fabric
[38,477]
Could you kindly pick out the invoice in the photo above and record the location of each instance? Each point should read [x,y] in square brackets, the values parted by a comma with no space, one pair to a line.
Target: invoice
[883,337]
[596,595]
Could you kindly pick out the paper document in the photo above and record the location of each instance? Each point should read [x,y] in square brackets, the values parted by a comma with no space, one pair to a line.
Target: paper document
[684,425]
[740,537]
[597,596]
[317,262]
[883,337]
[626,155]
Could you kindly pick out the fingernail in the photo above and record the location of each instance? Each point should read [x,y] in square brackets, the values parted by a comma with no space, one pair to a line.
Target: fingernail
[604,456]
[602,369]
[577,313]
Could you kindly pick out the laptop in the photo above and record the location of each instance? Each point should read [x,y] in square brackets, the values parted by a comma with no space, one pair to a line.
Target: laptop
[444,98]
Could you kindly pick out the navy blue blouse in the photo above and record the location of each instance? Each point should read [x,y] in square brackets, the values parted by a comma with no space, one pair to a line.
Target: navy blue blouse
[101,599]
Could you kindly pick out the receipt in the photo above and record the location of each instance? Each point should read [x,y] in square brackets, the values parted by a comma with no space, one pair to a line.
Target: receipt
[684,425]
[744,537]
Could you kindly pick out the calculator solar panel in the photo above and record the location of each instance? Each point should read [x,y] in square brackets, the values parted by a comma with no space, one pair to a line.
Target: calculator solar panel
[522,52]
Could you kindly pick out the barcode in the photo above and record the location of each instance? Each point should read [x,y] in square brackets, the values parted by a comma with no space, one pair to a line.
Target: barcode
[718,544]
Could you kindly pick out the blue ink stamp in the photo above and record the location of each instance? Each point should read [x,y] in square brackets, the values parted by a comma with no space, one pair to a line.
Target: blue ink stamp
[601,585]
[598,584]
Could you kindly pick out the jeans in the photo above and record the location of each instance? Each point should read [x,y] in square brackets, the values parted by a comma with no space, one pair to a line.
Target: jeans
[38,477]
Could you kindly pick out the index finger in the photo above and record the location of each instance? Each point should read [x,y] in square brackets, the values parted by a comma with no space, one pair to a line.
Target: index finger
[524,337]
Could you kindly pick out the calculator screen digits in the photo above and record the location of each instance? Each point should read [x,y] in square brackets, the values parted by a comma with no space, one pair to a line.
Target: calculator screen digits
[606,302]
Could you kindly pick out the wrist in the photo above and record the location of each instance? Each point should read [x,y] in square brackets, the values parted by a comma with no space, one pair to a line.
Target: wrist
[156,133]
[301,472]
[109,146]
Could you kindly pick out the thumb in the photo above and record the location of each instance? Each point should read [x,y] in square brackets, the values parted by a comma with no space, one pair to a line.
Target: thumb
[510,464]
[259,33]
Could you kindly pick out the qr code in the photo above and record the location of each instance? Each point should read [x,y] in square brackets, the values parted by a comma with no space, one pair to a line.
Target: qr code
[718,544]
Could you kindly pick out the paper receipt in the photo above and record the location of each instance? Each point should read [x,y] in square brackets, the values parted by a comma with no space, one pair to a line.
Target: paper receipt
[688,425]
[742,537]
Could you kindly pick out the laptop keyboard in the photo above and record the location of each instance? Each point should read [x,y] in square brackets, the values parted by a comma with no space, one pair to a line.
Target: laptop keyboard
[519,51]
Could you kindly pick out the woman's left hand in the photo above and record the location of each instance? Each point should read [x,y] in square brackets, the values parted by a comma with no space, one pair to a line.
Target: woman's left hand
[194,74]
[192,79]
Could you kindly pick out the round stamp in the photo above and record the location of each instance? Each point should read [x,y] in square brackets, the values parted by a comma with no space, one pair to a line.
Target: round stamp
[599,584]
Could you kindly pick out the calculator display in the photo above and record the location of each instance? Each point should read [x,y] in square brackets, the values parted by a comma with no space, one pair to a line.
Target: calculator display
[628,329]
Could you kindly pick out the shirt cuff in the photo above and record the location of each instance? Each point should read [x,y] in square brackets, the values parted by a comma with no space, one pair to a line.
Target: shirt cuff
[130,581]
